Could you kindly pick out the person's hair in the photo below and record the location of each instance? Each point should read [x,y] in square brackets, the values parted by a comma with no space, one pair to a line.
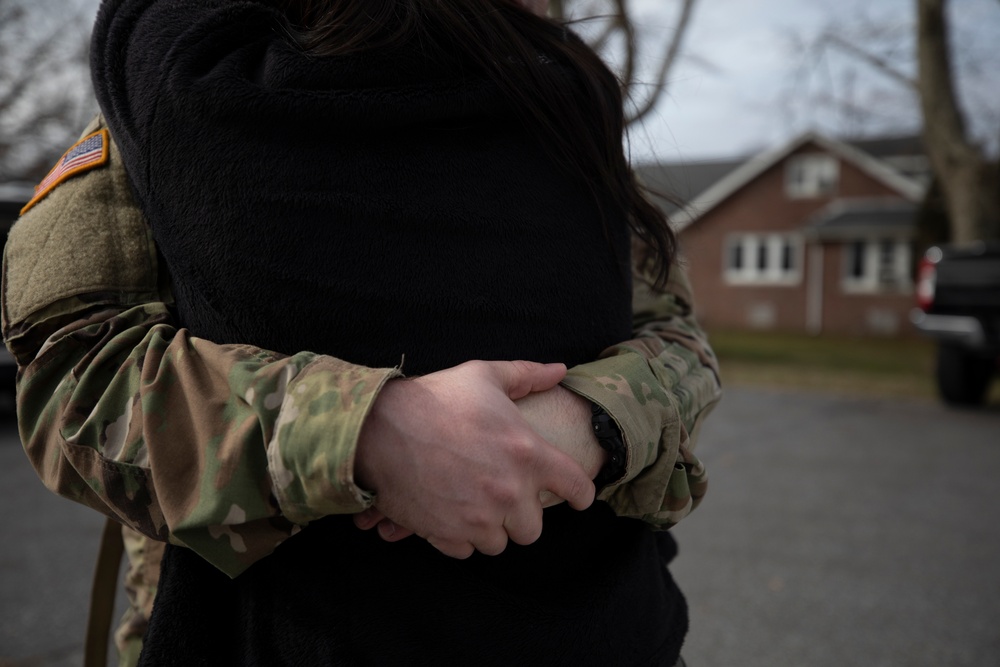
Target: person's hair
[578,119]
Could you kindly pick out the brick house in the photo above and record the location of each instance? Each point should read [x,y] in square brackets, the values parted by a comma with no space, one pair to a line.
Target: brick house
[815,236]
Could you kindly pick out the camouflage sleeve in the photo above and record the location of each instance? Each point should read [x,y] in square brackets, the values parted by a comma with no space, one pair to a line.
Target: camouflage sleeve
[226,449]
[658,387]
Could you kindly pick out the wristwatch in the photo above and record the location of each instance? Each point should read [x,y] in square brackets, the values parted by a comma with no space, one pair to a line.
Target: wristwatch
[609,436]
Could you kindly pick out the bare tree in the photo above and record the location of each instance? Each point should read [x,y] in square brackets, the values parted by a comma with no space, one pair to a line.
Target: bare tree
[918,65]
[969,180]
[45,94]
[618,37]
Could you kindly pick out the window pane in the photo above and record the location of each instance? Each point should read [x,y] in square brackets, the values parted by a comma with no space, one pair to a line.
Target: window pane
[887,252]
[826,176]
[857,259]
[736,255]
[786,257]
[762,257]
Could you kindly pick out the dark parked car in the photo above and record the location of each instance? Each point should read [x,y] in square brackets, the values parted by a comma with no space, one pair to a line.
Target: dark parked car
[958,294]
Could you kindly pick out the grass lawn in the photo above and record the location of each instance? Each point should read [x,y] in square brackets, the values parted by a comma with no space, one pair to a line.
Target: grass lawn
[857,366]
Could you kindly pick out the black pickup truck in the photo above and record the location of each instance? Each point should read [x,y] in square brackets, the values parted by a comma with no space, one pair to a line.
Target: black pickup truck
[958,294]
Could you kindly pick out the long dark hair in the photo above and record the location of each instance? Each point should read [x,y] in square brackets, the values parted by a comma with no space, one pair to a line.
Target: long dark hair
[580,121]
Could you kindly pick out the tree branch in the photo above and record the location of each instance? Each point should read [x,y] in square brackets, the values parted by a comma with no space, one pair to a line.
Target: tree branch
[673,50]
[881,64]
[623,21]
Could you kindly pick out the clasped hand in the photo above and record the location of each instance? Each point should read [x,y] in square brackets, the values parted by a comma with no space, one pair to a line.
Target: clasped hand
[452,457]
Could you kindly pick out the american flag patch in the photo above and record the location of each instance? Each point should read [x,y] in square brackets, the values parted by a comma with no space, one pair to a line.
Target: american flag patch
[89,152]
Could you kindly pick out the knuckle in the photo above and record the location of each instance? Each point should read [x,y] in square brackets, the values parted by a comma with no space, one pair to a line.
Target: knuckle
[475,365]
[480,519]
[522,449]
[503,494]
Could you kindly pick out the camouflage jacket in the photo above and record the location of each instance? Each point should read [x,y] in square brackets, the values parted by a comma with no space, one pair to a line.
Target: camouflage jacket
[230,449]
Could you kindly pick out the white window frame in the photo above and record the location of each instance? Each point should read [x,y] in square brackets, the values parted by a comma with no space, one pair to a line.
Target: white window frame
[877,275]
[773,273]
[811,175]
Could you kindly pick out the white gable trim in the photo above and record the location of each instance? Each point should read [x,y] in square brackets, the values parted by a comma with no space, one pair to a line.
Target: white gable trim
[755,166]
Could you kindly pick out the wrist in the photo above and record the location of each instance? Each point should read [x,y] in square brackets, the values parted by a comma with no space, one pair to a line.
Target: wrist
[376,430]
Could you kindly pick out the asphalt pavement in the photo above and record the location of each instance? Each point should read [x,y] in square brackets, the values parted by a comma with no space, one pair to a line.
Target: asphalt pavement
[843,531]
[836,531]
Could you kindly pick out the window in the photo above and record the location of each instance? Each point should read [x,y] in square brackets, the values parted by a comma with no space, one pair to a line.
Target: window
[736,257]
[763,259]
[873,265]
[787,256]
[887,262]
[856,252]
[813,175]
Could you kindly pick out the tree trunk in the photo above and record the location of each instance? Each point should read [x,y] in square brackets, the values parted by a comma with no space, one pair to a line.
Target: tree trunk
[969,182]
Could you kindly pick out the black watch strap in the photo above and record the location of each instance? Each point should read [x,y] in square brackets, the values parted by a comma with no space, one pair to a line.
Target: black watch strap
[609,436]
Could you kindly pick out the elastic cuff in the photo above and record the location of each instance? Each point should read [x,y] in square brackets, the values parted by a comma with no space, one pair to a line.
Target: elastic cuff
[311,455]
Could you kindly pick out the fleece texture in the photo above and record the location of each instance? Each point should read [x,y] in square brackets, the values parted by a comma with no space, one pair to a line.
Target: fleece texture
[376,207]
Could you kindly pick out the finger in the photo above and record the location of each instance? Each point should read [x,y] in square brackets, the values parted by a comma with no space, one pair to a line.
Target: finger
[562,476]
[454,549]
[524,526]
[390,531]
[368,518]
[493,544]
[520,378]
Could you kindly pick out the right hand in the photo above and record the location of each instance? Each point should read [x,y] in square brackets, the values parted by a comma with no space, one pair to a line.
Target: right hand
[450,457]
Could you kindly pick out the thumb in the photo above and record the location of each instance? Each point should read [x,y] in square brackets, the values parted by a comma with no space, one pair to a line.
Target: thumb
[520,378]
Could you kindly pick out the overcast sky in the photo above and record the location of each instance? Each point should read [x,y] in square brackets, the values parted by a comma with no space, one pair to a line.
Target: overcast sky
[743,87]
[739,102]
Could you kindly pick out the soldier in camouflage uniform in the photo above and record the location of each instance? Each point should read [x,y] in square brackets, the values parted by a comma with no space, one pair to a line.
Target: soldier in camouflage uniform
[217,447]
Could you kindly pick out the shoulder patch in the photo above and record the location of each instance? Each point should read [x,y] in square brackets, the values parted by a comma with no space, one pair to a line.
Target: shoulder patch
[86,154]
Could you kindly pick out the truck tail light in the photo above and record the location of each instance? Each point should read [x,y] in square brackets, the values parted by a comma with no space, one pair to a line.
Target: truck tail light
[927,278]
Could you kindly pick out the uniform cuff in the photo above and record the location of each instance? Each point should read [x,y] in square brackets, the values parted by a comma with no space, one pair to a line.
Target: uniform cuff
[624,385]
[311,454]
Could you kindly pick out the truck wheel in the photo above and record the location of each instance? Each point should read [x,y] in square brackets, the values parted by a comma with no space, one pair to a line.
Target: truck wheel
[962,376]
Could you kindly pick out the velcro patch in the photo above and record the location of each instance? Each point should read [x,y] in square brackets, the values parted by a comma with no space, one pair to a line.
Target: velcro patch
[86,154]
